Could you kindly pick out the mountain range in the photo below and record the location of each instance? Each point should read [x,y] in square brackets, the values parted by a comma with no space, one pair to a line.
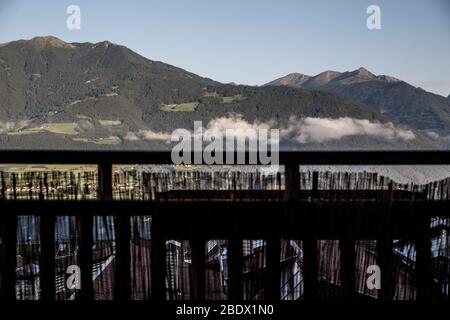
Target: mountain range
[420,110]
[55,94]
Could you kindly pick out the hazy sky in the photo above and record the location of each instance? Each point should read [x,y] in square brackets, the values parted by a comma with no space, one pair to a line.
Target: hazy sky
[256,41]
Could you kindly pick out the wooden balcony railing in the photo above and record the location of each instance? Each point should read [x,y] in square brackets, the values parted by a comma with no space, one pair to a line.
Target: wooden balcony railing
[299,214]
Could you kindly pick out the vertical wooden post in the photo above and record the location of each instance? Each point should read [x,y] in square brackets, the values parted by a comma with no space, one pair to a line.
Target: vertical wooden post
[292,182]
[423,261]
[8,281]
[384,258]
[158,259]
[235,269]
[47,258]
[273,269]
[104,181]
[85,225]
[385,252]
[198,280]
[348,266]
[122,228]
[122,290]
[310,267]
[310,253]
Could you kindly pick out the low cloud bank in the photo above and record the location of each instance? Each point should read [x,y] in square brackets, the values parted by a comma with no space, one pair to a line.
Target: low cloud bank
[436,136]
[218,125]
[304,130]
[319,130]
[237,122]
[147,135]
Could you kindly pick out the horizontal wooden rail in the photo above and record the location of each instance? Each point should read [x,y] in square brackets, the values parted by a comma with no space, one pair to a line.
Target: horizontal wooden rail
[353,209]
[286,157]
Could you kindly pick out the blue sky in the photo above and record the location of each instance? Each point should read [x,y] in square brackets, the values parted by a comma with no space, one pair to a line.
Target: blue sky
[256,41]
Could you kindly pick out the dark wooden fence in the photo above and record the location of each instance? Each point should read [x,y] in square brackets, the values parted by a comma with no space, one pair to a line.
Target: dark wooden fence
[197,221]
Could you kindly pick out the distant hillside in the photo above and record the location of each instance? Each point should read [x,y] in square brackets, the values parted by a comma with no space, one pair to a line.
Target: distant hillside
[55,94]
[421,110]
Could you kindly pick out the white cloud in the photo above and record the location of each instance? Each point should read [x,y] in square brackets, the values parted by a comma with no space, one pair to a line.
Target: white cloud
[131,136]
[318,130]
[436,136]
[232,122]
[147,135]
[433,135]
[237,122]
[237,127]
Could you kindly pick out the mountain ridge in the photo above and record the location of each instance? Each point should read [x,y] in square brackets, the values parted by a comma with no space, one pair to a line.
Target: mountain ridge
[296,79]
[424,111]
[94,94]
